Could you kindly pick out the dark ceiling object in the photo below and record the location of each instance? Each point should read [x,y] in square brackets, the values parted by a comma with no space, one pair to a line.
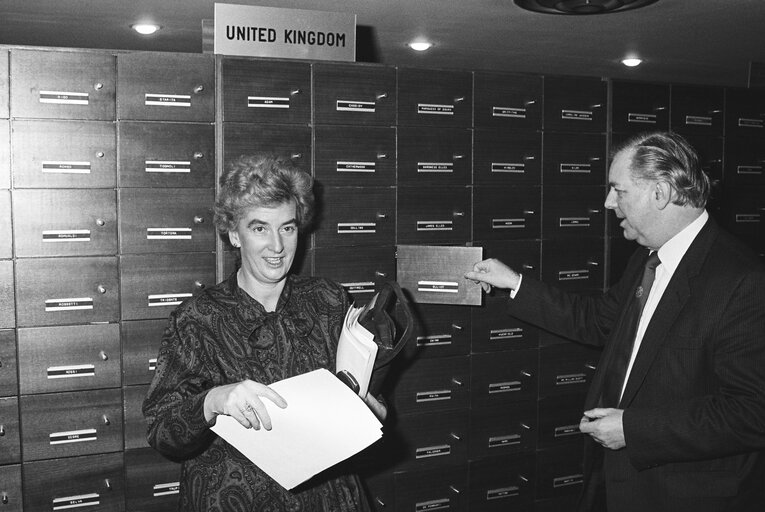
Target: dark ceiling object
[578,7]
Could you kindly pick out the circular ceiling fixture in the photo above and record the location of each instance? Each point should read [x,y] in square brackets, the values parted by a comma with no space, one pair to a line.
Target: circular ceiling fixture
[581,6]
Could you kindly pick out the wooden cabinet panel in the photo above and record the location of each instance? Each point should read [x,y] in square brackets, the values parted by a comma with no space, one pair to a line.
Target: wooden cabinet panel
[434,156]
[140,346]
[573,212]
[10,440]
[697,110]
[69,358]
[354,94]
[152,481]
[566,369]
[356,216]
[433,215]
[574,159]
[166,86]
[58,291]
[355,156]
[5,153]
[62,85]
[575,265]
[559,419]
[10,488]
[4,85]
[575,104]
[639,107]
[505,213]
[9,385]
[64,154]
[293,142]
[745,113]
[56,424]
[502,484]
[559,473]
[443,330]
[433,440]
[435,97]
[508,101]
[433,489]
[7,302]
[361,270]
[507,157]
[177,155]
[431,385]
[65,222]
[501,378]
[135,424]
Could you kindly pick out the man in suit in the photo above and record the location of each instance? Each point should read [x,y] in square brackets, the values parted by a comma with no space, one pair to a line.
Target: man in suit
[682,426]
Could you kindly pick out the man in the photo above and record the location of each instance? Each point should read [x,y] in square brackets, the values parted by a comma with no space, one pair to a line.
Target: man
[682,427]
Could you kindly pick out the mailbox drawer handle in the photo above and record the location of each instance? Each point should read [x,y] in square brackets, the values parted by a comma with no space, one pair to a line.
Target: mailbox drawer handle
[101,289]
[107,484]
[530,102]
[199,284]
[715,111]
[295,92]
[2,430]
[594,159]
[104,356]
[454,489]
[456,381]
[526,266]
[100,154]
[459,99]
[593,211]
[98,86]
[531,157]
[199,88]
[455,436]
[381,96]
[198,219]
[382,216]
[198,155]
[591,367]
[526,374]
[295,156]
[523,425]
[659,109]
[596,105]
[529,212]
[380,502]
[100,222]
[380,274]
[458,214]
[523,479]
[106,420]
[457,156]
[382,156]
[593,263]
[457,327]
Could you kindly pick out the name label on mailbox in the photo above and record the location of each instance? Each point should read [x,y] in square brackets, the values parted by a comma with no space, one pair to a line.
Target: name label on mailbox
[576,115]
[66,235]
[168,166]
[64,98]
[569,168]
[574,222]
[435,225]
[573,378]
[434,108]
[344,166]
[433,451]
[571,275]
[567,430]
[167,100]
[152,364]
[438,286]
[359,287]
[65,372]
[747,218]
[749,169]
[564,481]
[356,227]
[355,106]
[435,167]
[166,489]
[64,167]
[502,493]
[69,304]
[73,436]
[435,340]
[430,505]
[79,501]
[508,440]
[641,118]
[168,233]
[511,167]
[508,223]
[268,102]
[750,123]
[698,120]
[167,299]
[519,113]
[505,334]
[505,387]
[432,396]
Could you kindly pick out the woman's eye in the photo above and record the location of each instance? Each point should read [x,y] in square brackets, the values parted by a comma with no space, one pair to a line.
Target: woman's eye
[290,229]
[259,229]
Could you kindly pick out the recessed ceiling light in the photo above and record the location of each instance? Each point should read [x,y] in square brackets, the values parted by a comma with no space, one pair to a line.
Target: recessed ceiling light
[145,29]
[632,62]
[420,46]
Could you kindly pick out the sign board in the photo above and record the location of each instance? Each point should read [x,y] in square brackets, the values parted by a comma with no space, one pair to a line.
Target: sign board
[284,33]
[435,274]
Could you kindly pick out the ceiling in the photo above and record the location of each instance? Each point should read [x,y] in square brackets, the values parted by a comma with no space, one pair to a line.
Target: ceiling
[681,41]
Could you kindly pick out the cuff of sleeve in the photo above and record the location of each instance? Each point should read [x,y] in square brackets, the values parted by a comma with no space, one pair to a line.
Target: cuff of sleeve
[513,293]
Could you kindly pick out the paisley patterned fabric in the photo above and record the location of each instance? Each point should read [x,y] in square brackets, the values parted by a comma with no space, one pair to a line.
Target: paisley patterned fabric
[223,336]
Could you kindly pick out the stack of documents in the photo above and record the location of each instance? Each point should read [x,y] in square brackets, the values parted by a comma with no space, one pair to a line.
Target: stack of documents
[356,350]
[324,423]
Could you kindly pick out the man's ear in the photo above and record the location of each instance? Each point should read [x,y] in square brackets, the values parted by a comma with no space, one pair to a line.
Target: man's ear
[233,237]
[662,194]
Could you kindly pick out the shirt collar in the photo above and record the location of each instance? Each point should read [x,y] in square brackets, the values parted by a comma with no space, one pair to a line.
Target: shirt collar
[675,248]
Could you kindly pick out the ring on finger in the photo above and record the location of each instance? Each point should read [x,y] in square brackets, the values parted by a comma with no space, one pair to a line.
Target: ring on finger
[249,408]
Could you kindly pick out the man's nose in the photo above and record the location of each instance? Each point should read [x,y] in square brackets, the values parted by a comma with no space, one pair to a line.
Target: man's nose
[610,202]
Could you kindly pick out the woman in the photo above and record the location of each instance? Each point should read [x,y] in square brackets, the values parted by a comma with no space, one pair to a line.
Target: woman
[224,346]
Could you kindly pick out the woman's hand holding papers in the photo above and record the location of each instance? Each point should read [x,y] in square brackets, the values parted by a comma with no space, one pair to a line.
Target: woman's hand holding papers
[242,401]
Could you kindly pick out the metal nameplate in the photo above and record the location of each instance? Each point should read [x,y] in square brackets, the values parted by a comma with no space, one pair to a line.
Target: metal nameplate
[749,123]
[167,100]
[65,372]
[509,167]
[152,364]
[698,120]
[505,387]
[432,108]
[572,275]
[576,115]
[345,166]
[64,167]
[167,299]
[508,223]
[356,227]
[438,286]
[574,222]
[434,395]
[359,287]
[268,102]
[433,451]
[73,436]
[168,166]
[749,169]
[69,304]
[564,481]
[431,505]
[567,430]
[445,167]
[745,218]
[505,334]
[168,233]
[435,340]
[64,98]
[508,440]
[66,235]
[572,378]
[519,113]
[355,106]
[502,492]
[571,168]
[435,225]
[166,489]
[78,501]
[641,118]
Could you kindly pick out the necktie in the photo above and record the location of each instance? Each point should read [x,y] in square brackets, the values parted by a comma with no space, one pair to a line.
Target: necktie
[625,337]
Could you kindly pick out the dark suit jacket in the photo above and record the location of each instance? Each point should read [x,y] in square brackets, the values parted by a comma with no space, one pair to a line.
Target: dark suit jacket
[694,405]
